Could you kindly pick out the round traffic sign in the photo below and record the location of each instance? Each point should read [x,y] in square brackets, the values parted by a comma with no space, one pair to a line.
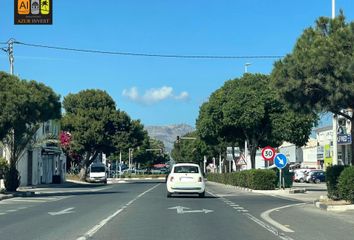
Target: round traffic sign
[280,160]
[268,153]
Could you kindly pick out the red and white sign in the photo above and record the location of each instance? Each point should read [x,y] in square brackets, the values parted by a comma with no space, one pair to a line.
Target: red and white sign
[268,153]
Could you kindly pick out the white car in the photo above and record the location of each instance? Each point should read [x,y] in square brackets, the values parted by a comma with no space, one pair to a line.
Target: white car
[185,178]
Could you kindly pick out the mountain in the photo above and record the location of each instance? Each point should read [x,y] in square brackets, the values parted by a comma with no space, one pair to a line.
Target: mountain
[168,134]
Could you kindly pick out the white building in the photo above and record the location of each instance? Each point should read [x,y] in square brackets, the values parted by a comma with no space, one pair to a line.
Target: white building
[309,154]
[43,161]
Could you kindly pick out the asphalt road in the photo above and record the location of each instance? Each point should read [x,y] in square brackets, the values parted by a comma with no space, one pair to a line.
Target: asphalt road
[141,211]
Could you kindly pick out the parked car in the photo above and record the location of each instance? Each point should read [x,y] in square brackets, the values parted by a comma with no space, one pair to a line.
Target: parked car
[185,178]
[309,174]
[318,177]
[300,174]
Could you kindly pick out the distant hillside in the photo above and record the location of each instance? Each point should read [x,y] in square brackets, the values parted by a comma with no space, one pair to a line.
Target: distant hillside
[168,134]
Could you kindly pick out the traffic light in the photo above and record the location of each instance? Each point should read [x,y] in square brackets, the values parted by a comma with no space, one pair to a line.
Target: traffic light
[177,139]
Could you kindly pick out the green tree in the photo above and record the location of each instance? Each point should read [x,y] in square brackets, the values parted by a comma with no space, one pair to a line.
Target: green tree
[90,116]
[192,150]
[318,76]
[24,105]
[250,109]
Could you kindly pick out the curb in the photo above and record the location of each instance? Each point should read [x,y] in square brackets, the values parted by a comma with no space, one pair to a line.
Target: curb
[333,208]
[6,197]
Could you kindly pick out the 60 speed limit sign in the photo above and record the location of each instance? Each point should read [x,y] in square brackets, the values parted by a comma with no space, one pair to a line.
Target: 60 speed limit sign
[268,153]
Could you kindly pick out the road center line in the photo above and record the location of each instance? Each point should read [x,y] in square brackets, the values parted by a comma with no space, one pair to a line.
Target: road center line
[266,217]
[98,226]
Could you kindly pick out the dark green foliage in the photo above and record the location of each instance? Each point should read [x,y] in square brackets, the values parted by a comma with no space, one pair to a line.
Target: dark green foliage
[257,179]
[12,179]
[346,184]
[332,177]
[24,105]
[4,166]
[318,76]
[249,108]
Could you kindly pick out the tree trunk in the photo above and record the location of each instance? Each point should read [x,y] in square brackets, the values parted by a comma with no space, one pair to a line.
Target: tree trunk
[253,156]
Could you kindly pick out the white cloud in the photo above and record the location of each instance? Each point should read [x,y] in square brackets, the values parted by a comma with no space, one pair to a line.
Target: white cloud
[153,95]
[156,95]
[182,96]
[131,93]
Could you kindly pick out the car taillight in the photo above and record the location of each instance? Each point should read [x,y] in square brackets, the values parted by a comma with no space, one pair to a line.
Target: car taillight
[200,179]
[171,179]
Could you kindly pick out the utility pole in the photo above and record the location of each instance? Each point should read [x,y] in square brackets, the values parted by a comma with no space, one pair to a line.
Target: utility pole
[10,52]
[333,9]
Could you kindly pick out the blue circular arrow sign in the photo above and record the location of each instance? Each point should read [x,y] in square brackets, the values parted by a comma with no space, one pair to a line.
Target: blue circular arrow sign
[280,160]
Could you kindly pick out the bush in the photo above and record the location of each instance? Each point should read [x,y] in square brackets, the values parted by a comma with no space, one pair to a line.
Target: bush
[260,179]
[4,166]
[346,184]
[332,175]
[12,179]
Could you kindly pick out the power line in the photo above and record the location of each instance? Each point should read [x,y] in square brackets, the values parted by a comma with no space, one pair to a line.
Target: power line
[150,55]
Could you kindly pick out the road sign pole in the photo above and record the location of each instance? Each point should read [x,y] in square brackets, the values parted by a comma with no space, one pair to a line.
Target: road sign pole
[280,178]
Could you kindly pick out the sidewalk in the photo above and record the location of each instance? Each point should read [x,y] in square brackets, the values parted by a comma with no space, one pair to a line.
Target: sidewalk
[28,191]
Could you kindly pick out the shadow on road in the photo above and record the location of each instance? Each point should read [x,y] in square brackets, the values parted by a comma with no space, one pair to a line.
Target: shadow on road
[78,193]
[192,196]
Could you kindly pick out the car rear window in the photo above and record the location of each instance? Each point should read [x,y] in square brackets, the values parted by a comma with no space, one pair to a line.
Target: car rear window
[186,169]
[98,169]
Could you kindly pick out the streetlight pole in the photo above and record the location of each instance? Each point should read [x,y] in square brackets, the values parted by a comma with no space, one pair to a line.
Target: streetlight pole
[246,147]
[246,66]
[335,116]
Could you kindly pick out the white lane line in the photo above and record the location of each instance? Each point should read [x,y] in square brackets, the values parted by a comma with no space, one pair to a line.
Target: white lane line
[2,213]
[267,227]
[11,210]
[98,226]
[265,216]
[238,208]
[234,205]
[29,200]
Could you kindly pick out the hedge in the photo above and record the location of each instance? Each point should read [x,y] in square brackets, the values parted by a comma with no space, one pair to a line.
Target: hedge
[332,176]
[346,184]
[258,179]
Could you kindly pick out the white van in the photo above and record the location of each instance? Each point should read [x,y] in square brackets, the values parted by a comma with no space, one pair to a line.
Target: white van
[97,173]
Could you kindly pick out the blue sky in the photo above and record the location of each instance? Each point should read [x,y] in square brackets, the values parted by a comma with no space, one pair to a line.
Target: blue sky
[158,91]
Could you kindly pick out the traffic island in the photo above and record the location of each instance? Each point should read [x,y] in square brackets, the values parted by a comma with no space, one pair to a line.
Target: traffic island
[297,190]
[333,205]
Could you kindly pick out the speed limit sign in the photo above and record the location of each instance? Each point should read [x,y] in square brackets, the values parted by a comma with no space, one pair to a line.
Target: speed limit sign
[268,153]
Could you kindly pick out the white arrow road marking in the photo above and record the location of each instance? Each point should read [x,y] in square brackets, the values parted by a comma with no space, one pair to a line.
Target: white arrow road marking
[65,211]
[280,160]
[181,210]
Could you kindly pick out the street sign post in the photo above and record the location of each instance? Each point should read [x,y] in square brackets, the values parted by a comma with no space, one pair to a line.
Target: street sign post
[280,162]
[268,153]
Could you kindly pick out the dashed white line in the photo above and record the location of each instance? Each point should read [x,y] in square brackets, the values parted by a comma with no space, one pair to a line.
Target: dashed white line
[97,227]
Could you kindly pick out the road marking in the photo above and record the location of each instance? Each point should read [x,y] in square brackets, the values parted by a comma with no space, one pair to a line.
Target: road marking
[11,210]
[238,208]
[181,210]
[98,226]
[267,227]
[258,221]
[65,211]
[265,216]
[1,213]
